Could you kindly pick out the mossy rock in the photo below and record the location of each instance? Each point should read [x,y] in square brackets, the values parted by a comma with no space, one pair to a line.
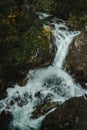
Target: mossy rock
[21,36]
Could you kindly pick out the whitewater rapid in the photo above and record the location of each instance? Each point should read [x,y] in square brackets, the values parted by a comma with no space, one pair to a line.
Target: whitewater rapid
[52,83]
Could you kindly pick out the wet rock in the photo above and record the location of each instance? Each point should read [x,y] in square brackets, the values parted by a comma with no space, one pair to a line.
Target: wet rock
[5,118]
[44,108]
[76,60]
[44,58]
[71,115]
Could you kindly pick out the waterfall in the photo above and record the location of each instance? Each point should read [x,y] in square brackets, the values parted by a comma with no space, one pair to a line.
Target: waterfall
[52,83]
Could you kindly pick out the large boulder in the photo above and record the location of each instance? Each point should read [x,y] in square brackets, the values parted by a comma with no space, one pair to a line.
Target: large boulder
[5,118]
[71,115]
[76,60]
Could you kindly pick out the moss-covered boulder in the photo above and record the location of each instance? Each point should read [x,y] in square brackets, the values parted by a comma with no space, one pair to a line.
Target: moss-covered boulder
[71,115]
[24,43]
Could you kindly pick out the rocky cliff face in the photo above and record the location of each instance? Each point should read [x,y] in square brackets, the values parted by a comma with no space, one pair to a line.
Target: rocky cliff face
[76,60]
[75,12]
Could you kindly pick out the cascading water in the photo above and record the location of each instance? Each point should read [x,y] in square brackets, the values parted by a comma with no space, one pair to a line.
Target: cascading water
[52,83]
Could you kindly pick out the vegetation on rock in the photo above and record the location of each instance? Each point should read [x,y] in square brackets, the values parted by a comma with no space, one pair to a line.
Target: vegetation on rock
[75,11]
[21,35]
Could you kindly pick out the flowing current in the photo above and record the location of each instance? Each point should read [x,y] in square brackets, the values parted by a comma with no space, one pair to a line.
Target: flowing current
[52,83]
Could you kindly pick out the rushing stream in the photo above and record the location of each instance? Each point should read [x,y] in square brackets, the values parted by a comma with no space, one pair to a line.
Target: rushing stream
[52,83]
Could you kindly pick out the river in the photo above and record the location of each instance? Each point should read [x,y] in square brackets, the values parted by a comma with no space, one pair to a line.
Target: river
[52,83]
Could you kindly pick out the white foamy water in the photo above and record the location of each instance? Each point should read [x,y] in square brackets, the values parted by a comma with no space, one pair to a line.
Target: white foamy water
[52,83]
